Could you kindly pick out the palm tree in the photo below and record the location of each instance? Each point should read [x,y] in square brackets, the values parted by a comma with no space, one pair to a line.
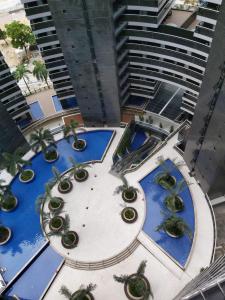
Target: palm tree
[22,72]
[78,170]
[79,294]
[14,162]
[173,201]
[40,71]
[174,226]
[164,177]
[55,203]
[129,193]
[138,285]
[3,36]
[42,139]
[64,183]
[70,130]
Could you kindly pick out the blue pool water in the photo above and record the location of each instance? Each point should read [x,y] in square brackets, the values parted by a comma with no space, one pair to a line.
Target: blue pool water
[24,221]
[32,283]
[57,104]
[179,248]
[138,140]
[36,111]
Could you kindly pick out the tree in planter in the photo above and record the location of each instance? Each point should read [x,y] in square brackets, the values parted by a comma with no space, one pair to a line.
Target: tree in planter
[55,203]
[14,162]
[22,72]
[173,202]
[129,193]
[83,293]
[64,183]
[78,170]
[43,139]
[164,177]
[40,71]
[136,285]
[21,35]
[3,36]
[174,226]
[171,128]
[7,200]
[160,125]
[70,131]
[5,234]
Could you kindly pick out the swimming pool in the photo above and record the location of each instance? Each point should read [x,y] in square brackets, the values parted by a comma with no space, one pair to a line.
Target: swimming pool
[139,139]
[24,221]
[179,249]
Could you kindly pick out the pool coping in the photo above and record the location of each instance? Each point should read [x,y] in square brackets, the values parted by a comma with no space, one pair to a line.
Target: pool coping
[194,236]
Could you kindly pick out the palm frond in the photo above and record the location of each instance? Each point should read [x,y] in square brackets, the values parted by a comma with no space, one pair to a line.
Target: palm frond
[65,292]
[121,278]
[141,268]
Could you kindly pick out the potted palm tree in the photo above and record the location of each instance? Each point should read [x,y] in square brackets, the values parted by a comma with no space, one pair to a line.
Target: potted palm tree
[129,214]
[70,130]
[129,193]
[5,234]
[14,163]
[173,201]
[164,177]
[175,226]
[136,286]
[64,183]
[8,201]
[79,171]
[22,72]
[43,139]
[83,293]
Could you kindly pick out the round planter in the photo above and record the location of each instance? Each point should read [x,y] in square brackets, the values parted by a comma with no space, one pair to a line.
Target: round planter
[30,179]
[172,234]
[176,210]
[82,178]
[73,243]
[129,219]
[127,289]
[79,148]
[52,160]
[66,190]
[56,208]
[12,208]
[165,185]
[88,296]
[58,228]
[129,195]
[7,235]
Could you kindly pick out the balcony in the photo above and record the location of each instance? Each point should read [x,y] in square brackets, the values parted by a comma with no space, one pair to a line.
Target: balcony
[30,11]
[42,25]
[46,39]
[208,13]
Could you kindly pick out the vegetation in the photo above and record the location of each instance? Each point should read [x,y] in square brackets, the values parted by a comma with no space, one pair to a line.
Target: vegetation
[70,131]
[7,199]
[80,294]
[4,234]
[171,128]
[21,35]
[125,142]
[129,214]
[22,72]
[164,177]
[129,193]
[150,120]
[64,184]
[175,226]
[40,71]
[14,162]
[141,118]
[3,36]
[160,125]
[78,170]
[43,139]
[137,284]
[173,202]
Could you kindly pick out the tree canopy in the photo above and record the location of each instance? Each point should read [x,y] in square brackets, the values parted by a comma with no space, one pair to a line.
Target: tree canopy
[21,35]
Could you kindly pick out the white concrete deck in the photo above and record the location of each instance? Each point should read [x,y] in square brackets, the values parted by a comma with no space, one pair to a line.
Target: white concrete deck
[166,277]
[94,205]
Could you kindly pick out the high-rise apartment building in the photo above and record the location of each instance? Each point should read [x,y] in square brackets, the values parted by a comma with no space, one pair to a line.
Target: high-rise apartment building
[11,96]
[205,147]
[43,27]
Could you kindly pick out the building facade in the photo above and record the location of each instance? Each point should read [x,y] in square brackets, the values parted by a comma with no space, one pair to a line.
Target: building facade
[43,27]
[11,96]
[205,146]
